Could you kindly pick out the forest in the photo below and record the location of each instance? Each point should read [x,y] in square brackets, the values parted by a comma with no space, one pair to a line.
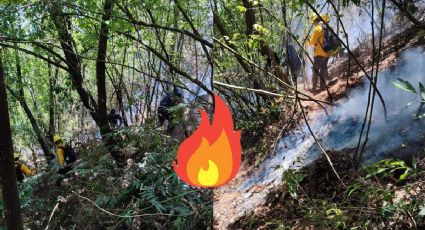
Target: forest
[212,114]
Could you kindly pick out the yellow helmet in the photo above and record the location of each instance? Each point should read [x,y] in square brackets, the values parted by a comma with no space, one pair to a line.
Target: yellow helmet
[16,155]
[325,17]
[56,138]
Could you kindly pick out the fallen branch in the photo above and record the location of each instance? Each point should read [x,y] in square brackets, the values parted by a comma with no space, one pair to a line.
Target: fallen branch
[260,91]
[51,215]
[262,70]
[320,146]
[116,215]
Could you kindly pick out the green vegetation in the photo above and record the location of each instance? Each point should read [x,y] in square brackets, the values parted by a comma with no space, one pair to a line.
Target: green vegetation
[66,65]
[386,195]
[146,193]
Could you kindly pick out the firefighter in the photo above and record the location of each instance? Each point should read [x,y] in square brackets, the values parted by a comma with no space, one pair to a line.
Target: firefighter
[170,100]
[65,154]
[114,119]
[22,170]
[321,57]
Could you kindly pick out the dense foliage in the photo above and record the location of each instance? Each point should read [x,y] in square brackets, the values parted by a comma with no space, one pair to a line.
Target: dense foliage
[67,63]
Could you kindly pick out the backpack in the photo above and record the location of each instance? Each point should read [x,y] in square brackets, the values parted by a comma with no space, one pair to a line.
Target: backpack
[69,154]
[19,173]
[331,43]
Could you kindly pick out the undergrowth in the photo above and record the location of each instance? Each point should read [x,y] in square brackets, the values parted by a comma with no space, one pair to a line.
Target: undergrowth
[261,130]
[389,194]
[97,194]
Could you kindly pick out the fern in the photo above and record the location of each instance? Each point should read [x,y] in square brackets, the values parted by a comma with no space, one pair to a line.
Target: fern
[149,195]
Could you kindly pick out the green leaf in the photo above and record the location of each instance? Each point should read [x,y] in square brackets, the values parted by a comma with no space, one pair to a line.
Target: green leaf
[353,188]
[420,34]
[405,174]
[397,163]
[254,3]
[356,2]
[276,167]
[380,170]
[422,212]
[335,211]
[422,91]
[414,163]
[241,9]
[404,85]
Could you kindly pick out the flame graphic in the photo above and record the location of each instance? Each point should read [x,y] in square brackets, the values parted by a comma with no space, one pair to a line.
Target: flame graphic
[211,156]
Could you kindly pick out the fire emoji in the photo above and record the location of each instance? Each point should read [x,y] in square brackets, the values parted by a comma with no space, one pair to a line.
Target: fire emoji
[211,156]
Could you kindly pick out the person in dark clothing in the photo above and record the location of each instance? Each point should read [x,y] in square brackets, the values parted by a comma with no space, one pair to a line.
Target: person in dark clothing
[114,118]
[170,99]
[294,62]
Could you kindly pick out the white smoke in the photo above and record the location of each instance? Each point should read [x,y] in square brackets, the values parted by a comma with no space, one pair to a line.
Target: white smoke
[356,21]
[340,129]
[410,67]
[402,107]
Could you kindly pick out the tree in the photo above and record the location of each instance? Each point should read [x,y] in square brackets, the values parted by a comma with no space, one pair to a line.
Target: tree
[97,110]
[20,96]
[102,54]
[265,50]
[12,207]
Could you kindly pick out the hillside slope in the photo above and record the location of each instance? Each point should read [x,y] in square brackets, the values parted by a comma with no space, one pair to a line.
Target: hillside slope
[249,191]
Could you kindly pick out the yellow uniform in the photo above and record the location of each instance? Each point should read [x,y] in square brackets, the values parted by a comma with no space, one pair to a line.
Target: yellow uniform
[316,40]
[26,170]
[22,170]
[63,151]
[60,153]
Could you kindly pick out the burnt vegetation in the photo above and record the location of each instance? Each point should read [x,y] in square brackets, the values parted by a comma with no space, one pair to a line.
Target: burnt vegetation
[348,157]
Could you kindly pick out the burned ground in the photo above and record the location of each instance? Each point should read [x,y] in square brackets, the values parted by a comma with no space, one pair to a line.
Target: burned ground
[323,185]
[320,193]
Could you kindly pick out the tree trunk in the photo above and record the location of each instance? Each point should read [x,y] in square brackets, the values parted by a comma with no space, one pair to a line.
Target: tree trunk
[20,96]
[52,86]
[12,205]
[101,80]
[272,58]
[254,77]
[121,104]
[101,68]
[120,88]
[73,60]
[224,33]
[97,111]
